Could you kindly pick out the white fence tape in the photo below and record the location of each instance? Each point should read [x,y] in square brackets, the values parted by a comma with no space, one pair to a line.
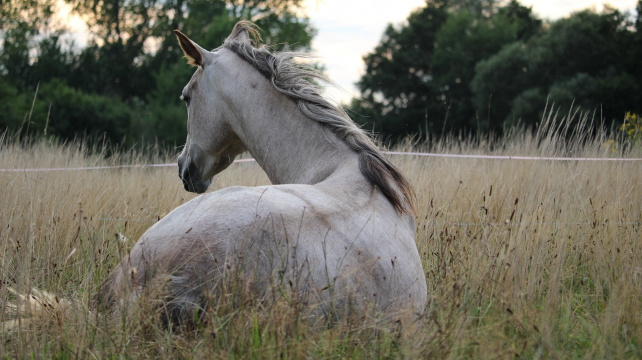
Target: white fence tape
[436,155]
[509,157]
[103,167]
[434,223]
[86,168]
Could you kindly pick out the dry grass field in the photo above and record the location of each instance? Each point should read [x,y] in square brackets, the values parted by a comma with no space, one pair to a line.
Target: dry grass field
[524,259]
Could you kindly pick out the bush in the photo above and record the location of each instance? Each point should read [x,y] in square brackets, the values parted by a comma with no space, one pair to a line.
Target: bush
[65,112]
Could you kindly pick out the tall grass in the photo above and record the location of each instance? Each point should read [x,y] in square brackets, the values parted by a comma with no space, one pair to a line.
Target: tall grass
[535,259]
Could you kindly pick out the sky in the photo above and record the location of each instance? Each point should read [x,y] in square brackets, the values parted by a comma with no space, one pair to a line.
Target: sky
[343,38]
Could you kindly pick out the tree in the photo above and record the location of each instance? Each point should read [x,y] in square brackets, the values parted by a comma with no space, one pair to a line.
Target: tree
[70,113]
[418,78]
[580,61]
[21,21]
[634,56]
[525,21]
[131,71]
[480,8]
[10,109]
[210,22]
[499,80]
[398,88]
[25,15]
[463,41]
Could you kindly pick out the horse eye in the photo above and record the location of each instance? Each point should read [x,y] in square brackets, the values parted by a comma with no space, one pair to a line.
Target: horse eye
[185,98]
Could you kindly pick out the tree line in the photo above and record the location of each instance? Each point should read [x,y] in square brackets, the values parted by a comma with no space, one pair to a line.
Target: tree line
[481,66]
[124,85]
[472,66]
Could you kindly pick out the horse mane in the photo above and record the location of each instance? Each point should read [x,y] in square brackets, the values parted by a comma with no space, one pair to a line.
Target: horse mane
[293,80]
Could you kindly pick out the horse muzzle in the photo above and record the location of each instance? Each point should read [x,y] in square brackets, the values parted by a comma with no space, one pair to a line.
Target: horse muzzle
[190,176]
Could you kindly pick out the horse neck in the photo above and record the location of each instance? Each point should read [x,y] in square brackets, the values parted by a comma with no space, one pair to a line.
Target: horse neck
[291,148]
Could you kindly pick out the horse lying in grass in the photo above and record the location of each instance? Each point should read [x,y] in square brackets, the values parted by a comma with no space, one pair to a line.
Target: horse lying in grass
[337,226]
[336,230]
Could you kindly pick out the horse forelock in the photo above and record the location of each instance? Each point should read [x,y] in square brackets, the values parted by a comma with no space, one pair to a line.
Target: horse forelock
[245,30]
[293,80]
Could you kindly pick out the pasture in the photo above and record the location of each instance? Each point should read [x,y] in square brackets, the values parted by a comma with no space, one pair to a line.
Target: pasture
[527,259]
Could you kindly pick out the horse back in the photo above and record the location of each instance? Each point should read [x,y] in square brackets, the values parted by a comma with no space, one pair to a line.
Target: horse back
[320,244]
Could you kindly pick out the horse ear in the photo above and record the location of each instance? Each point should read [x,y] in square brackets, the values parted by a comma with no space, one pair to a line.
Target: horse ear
[192,51]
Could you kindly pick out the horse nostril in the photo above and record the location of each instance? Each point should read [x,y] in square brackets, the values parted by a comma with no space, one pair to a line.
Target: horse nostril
[185,177]
[190,177]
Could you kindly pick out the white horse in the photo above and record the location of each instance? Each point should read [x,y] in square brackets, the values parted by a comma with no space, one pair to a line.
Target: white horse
[336,228]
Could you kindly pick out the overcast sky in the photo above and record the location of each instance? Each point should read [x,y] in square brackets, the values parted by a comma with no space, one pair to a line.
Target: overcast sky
[349,29]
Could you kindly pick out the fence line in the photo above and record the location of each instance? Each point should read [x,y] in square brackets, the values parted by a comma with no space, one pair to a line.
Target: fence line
[104,167]
[435,155]
[508,157]
[439,223]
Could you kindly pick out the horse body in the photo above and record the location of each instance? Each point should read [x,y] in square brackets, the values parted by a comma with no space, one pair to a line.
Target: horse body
[323,230]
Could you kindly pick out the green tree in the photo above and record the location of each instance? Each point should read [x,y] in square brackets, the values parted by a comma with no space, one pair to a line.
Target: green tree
[635,53]
[10,110]
[418,78]
[25,15]
[15,58]
[480,8]
[20,23]
[582,61]
[525,21]
[463,41]
[132,70]
[69,113]
[398,88]
[209,22]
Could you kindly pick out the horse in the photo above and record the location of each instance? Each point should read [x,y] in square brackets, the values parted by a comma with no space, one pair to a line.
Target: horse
[336,227]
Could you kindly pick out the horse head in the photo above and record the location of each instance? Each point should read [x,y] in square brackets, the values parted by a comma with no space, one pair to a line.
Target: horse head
[211,145]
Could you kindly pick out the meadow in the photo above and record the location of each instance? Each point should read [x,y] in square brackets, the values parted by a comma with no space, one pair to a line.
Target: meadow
[523,258]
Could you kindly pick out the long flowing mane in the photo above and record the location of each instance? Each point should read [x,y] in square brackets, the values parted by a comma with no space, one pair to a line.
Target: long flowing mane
[293,79]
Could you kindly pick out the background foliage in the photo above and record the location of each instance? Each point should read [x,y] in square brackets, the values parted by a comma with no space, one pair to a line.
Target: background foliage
[471,66]
[475,66]
[124,84]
